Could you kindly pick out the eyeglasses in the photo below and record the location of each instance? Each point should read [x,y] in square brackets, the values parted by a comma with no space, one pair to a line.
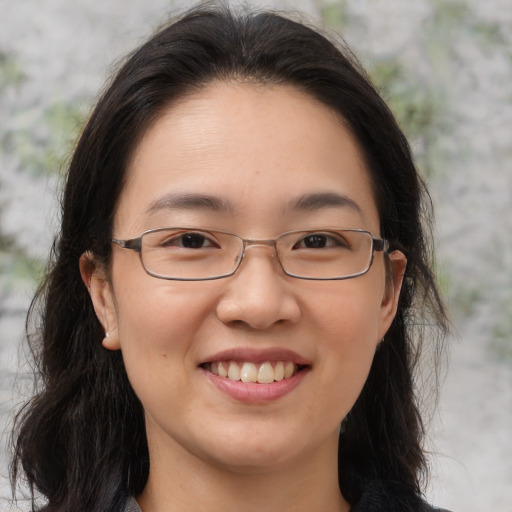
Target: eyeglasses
[189,254]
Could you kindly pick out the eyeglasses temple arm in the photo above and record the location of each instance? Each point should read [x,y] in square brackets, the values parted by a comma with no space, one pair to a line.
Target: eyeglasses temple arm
[380,244]
[134,244]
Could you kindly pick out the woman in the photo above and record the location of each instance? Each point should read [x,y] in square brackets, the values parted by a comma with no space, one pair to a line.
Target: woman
[234,309]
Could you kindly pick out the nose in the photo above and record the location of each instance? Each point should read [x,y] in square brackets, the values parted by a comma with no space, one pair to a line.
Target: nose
[259,294]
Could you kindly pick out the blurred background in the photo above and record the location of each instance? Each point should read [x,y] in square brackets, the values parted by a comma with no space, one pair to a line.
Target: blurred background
[445,67]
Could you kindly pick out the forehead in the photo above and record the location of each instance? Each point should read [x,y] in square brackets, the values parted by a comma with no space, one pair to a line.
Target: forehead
[254,147]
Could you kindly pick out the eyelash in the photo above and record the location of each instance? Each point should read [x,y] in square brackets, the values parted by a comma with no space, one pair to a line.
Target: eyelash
[178,240]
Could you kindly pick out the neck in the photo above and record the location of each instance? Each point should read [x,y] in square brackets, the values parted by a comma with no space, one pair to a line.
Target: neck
[181,481]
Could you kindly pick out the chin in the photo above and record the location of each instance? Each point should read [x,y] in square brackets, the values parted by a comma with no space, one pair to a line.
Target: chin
[257,451]
[253,462]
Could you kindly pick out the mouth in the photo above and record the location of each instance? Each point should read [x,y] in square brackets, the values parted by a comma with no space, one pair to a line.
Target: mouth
[256,376]
[265,372]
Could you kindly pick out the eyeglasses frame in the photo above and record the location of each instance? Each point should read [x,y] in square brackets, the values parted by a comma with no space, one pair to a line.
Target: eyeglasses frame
[135,244]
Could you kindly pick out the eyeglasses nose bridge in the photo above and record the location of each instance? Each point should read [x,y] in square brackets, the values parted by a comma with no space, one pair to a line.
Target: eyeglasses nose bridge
[268,243]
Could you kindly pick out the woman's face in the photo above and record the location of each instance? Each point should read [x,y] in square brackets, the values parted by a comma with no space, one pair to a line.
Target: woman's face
[256,161]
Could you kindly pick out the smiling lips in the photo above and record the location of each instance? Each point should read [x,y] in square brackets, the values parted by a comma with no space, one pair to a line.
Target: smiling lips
[262,373]
[256,376]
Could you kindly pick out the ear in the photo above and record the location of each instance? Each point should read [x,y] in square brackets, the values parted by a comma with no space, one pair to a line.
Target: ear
[396,268]
[100,289]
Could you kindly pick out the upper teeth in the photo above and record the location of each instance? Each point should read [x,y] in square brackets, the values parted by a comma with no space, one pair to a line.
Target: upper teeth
[263,373]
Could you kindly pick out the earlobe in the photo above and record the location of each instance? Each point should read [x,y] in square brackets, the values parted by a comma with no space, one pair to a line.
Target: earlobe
[389,306]
[100,290]
[111,341]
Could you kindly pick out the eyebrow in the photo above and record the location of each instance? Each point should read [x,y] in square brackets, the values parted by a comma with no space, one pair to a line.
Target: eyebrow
[317,201]
[306,202]
[189,202]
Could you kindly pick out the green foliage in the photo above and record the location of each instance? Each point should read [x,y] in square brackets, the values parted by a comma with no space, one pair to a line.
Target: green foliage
[18,270]
[11,73]
[490,33]
[465,297]
[444,279]
[455,15]
[64,121]
[417,106]
[334,13]
[421,99]
[40,138]
[43,139]
[451,12]
[502,334]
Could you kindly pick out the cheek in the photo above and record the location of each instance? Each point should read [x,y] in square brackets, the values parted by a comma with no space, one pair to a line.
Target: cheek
[350,316]
[158,324]
[347,326]
[157,318]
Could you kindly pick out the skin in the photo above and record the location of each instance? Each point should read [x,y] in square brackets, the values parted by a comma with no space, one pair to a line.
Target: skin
[256,148]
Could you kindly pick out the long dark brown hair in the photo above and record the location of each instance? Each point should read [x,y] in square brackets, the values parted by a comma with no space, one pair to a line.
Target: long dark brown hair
[81,440]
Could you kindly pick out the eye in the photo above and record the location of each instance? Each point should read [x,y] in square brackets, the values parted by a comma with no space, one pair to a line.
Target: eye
[320,241]
[190,240]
